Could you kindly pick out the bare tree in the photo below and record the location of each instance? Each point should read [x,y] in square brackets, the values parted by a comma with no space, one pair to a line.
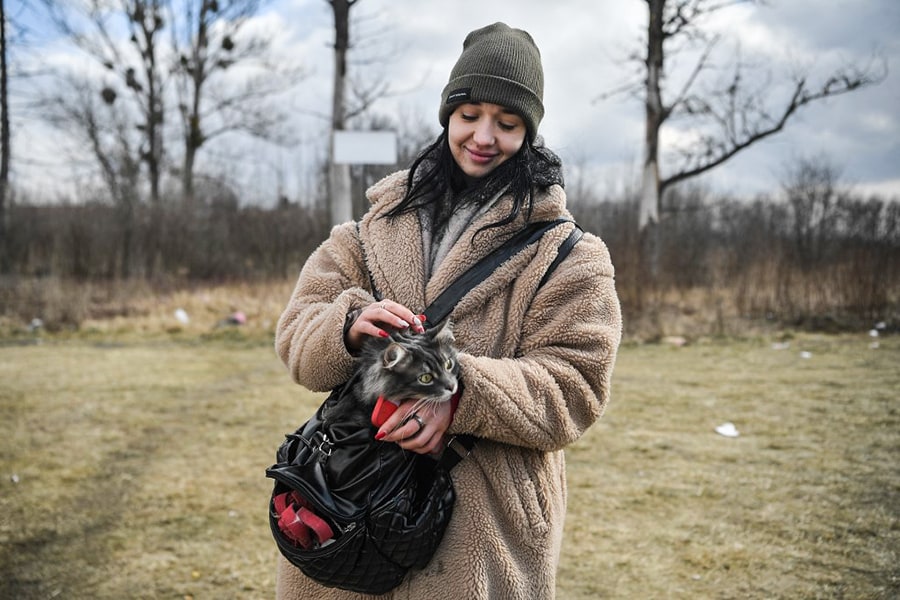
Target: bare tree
[105,130]
[339,174]
[4,140]
[170,49]
[354,93]
[814,194]
[138,78]
[730,115]
[136,65]
[209,39]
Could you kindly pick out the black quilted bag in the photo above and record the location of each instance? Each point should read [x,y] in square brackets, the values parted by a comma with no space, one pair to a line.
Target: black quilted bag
[386,509]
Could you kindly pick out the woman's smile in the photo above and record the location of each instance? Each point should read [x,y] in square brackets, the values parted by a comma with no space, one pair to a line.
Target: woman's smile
[481,157]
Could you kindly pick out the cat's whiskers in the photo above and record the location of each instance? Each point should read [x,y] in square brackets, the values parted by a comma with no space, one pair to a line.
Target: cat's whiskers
[425,403]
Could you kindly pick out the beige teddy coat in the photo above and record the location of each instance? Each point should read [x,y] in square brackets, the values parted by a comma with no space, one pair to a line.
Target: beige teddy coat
[535,367]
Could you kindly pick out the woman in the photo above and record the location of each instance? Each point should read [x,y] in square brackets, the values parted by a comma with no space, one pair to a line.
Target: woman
[536,360]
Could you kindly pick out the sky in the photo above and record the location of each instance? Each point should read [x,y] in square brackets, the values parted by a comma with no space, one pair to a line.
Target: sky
[585,45]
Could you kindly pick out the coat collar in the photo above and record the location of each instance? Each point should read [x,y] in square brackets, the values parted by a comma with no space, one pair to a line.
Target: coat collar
[393,246]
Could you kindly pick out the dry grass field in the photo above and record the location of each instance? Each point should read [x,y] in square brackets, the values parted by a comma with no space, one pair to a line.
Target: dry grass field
[132,466]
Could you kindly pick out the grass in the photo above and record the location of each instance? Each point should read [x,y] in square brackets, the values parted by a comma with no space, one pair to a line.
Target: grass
[132,467]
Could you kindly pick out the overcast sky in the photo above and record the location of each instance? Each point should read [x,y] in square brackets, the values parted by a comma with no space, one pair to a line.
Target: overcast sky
[584,45]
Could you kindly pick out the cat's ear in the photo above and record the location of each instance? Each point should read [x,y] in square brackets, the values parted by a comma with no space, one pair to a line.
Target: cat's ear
[443,333]
[392,355]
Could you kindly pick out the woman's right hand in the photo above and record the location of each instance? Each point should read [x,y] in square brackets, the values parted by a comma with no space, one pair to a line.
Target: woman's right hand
[377,318]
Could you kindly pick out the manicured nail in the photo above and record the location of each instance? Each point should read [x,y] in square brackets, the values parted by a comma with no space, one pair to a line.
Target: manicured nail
[383,333]
[404,324]
[380,435]
[422,317]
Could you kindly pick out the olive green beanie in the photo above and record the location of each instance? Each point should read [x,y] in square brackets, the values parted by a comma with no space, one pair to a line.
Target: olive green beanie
[500,65]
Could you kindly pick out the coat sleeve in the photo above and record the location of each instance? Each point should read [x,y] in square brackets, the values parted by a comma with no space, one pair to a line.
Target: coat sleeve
[309,334]
[559,382]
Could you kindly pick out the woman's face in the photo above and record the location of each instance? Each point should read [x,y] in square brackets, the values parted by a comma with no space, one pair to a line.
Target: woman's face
[483,136]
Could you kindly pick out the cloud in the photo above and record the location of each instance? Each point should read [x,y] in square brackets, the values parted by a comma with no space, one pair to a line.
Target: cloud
[888,188]
[585,47]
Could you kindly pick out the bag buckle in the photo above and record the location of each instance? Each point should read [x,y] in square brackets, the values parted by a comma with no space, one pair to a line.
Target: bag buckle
[459,448]
[324,446]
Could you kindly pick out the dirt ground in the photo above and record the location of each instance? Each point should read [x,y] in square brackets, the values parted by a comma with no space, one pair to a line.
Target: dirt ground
[134,468]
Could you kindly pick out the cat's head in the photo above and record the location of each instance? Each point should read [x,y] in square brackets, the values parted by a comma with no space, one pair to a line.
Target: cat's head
[414,366]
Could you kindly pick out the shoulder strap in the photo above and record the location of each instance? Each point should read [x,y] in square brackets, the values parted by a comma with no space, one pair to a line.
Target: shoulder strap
[563,252]
[460,446]
[443,305]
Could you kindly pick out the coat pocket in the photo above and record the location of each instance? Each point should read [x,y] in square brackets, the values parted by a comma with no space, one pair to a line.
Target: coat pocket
[529,505]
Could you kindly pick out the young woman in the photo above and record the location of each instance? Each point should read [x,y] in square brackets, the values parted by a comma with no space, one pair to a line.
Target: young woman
[535,360]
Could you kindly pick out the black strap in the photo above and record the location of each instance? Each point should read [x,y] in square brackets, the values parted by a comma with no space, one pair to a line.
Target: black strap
[444,304]
[563,252]
[460,446]
[457,449]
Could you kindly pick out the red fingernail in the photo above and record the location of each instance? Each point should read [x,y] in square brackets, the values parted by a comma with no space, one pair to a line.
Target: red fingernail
[383,333]
[423,317]
[380,435]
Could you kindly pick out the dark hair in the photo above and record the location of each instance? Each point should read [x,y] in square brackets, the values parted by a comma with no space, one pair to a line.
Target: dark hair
[435,171]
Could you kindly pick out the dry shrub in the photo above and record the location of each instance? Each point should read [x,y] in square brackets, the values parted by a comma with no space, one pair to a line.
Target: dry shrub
[136,306]
[58,303]
[760,301]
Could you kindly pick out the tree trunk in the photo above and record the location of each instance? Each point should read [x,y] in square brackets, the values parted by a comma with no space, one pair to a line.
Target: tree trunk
[193,134]
[187,174]
[655,115]
[154,156]
[4,144]
[339,175]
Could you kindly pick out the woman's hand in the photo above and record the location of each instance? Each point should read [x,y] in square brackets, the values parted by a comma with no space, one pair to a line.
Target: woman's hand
[376,318]
[421,431]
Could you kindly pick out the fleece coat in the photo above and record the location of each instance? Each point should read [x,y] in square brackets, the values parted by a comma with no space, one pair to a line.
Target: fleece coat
[535,366]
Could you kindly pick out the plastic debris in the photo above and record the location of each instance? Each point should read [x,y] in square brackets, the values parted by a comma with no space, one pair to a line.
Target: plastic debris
[873,333]
[237,318]
[806,354]
[781,345]
[181,316]
[35,324]
[727,429]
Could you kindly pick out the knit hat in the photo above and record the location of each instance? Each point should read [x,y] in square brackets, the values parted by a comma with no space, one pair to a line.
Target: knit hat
[500,65]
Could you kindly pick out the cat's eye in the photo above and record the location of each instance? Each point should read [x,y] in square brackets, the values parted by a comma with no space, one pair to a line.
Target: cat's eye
[448,364]
[426,378]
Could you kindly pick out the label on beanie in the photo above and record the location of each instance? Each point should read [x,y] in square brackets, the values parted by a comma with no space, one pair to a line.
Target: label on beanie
[460,95]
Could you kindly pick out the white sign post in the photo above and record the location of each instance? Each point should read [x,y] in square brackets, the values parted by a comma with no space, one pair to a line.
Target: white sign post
[356,148]
[365,147]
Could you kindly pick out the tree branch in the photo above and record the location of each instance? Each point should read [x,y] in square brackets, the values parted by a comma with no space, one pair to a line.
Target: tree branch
[756,124]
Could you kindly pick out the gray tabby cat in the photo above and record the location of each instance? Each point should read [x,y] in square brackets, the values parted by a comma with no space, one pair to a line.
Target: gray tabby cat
[403,366]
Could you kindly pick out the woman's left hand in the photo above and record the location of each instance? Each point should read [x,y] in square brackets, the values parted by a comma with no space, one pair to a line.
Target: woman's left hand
[422,431]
